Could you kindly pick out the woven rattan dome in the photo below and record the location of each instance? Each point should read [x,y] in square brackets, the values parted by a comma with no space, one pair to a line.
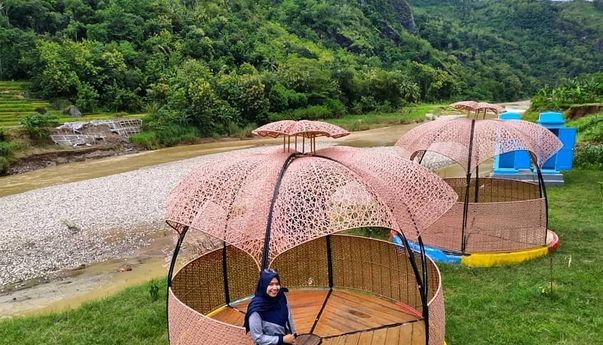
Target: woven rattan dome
[287,210]
[492,215]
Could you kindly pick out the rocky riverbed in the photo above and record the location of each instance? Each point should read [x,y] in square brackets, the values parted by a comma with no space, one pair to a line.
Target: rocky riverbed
[65,226]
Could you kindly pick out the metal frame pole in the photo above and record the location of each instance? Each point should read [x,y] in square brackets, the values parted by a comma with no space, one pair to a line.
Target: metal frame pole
[467,186]
[542,192]
[170,274]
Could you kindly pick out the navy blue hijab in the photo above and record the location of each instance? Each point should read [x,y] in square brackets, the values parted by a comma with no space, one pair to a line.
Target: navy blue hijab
[271,309]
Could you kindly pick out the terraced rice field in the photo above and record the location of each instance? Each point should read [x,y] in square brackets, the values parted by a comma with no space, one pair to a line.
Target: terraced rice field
[14,104]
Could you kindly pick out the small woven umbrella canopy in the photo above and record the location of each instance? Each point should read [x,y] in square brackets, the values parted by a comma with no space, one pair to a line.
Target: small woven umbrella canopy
[464,105]
[303,128]
[485,107]
[471,142]
[267,203]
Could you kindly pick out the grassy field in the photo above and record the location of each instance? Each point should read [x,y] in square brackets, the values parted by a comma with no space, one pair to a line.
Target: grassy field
[504,305]
[514,305]
[410,114]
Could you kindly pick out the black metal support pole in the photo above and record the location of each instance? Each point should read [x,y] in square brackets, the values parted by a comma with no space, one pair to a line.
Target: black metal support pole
[225,275]
[425,289]
[467,185]
[175,255]
[546,200]
[330,273]
[421,283]
[170,273]
[266,250]
[330,262]
[421,158]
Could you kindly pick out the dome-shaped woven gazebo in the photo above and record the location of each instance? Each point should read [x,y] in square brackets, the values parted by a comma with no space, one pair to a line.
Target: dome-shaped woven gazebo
[478,107]
[492,215]
[287,210]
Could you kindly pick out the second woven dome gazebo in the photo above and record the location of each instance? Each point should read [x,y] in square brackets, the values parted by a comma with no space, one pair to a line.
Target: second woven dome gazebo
[492,215]
[286,210]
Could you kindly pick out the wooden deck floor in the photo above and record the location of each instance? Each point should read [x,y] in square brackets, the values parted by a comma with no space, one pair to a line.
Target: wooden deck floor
[349,318]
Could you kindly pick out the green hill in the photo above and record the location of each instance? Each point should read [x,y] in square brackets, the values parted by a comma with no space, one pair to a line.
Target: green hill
[214,65]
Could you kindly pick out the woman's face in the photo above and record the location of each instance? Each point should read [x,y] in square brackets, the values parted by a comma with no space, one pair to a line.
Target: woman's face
[273,288]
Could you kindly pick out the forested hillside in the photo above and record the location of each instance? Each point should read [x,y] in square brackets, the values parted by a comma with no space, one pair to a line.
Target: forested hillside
[210,65]
[515,46]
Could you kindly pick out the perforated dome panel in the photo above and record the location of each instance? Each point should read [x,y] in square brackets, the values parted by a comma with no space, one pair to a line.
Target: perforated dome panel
[335,190]
[452,138]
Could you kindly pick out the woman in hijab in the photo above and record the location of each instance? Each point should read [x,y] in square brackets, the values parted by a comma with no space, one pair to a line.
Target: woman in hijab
[268,318]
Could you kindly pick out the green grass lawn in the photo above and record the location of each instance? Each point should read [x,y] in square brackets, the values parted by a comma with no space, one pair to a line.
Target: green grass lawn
[513,305]
[501,305]
[409,114]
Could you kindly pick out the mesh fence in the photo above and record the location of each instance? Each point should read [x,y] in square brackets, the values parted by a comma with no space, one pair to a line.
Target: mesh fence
[508,216]
[371,266]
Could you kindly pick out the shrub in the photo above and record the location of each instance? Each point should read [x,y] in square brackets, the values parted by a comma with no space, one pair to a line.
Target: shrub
[314,112]
[126,100]
[589,156]
[385,107]
[165,136]
[3,135]
[4,165]
[146,140]
[234,130]
[36,126]
[336,107]
[6,149]
[87,98]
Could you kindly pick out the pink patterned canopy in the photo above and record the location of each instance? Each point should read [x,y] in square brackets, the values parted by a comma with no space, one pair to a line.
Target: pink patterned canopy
[336,189]
[491,137]
[495,108]
[303,128]
[464,105]
[478,106]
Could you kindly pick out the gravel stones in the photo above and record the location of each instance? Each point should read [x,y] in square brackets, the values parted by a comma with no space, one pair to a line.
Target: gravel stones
[64,226]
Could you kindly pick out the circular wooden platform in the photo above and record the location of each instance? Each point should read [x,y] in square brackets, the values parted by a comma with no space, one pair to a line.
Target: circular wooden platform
[348,317]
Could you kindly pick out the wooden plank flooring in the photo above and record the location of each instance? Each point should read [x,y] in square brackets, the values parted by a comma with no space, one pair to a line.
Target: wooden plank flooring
[345,312]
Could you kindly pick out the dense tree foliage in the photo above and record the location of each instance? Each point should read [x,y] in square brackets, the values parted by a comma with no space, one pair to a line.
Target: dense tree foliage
[583,89]
[515,47]
[203,67]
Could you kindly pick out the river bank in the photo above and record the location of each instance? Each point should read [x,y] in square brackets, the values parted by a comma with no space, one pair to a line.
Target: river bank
[58,222]
[68,230]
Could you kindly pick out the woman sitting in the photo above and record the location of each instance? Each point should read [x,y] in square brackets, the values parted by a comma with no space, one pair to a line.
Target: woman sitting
[268,318]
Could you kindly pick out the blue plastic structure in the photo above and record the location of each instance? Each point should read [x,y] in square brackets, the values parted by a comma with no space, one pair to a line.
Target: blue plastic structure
[511,162]
[434,253]
[562,160]
[517,165]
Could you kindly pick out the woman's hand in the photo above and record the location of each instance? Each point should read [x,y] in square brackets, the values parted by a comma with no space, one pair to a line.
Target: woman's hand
[289,339]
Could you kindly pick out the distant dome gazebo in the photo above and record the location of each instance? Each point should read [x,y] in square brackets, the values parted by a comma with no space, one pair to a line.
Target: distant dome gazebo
[492,215]
[287,210]
[478,107]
